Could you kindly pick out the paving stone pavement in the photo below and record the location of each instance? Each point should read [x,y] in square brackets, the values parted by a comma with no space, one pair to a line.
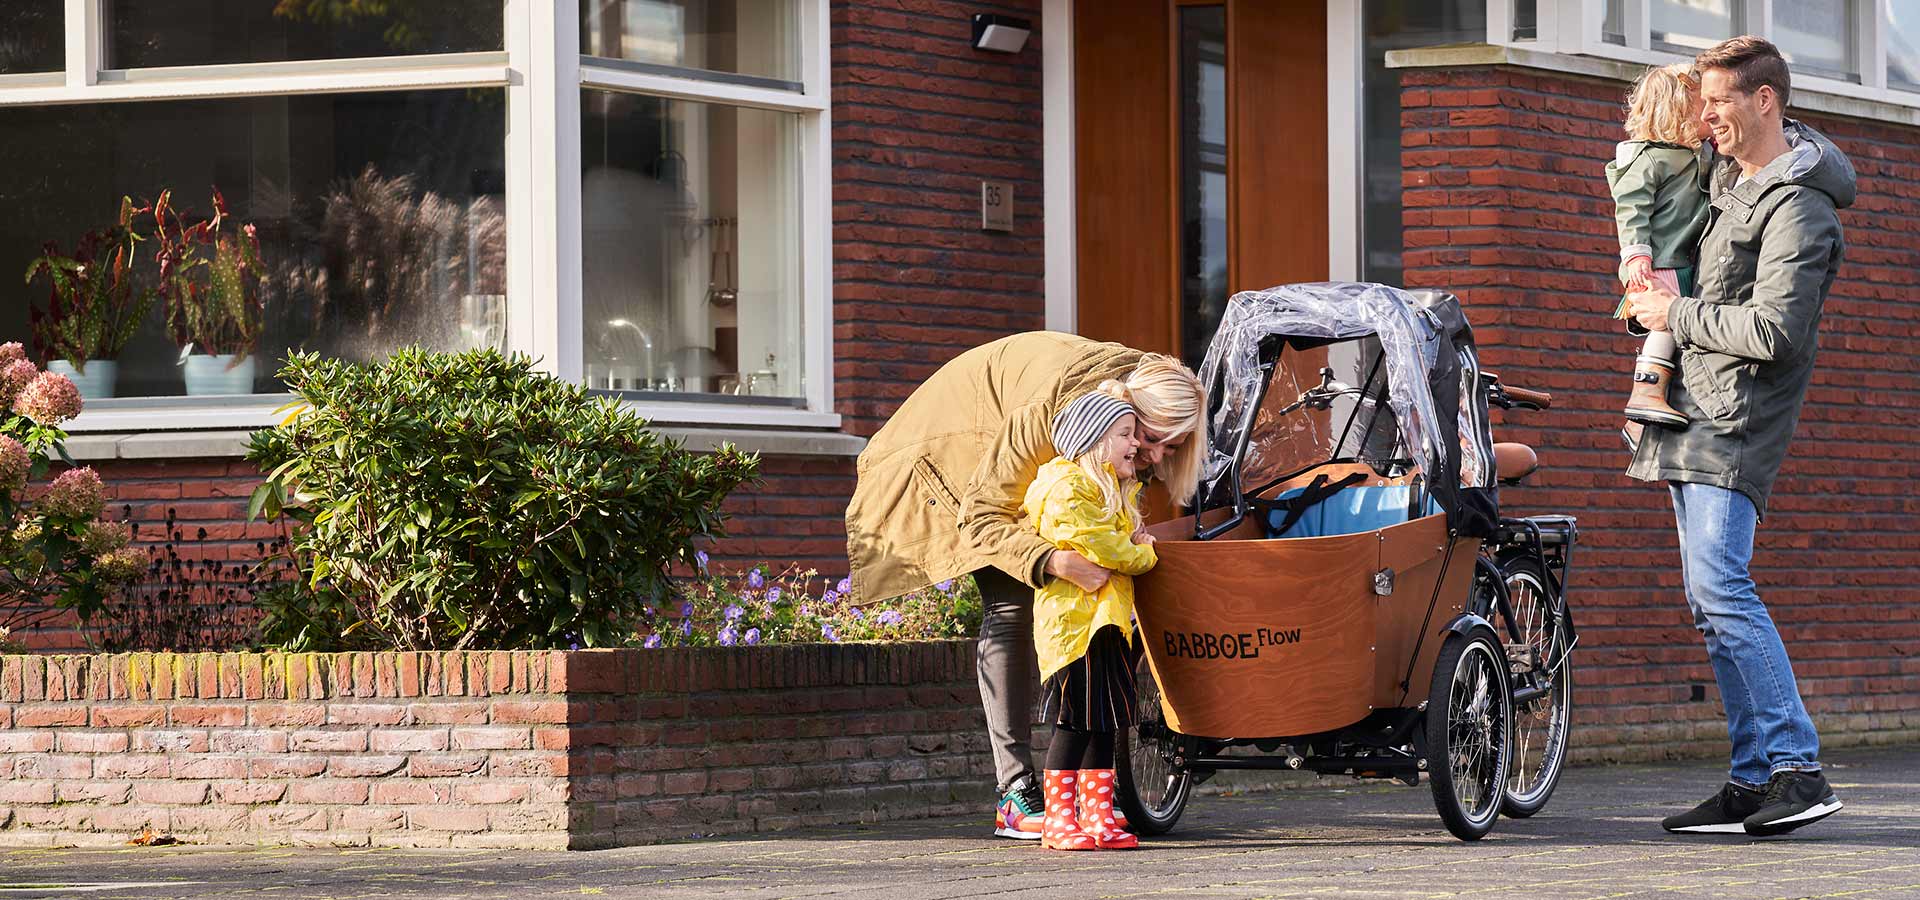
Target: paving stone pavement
[1598,838]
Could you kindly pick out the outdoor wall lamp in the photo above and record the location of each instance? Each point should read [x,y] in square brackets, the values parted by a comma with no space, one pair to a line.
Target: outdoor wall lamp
[1002,34]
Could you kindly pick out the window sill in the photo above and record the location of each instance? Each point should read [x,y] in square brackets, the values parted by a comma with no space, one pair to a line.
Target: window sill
[229,444]
[1810,97]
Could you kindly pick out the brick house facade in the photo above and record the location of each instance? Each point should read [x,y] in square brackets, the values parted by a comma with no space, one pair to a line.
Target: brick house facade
[1504,205]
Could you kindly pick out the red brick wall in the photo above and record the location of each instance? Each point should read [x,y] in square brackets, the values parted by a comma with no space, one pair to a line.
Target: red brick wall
[920,118]
[500,749]
[1506,205]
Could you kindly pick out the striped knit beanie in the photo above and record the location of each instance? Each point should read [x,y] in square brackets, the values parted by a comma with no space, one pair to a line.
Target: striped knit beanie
[1081,422]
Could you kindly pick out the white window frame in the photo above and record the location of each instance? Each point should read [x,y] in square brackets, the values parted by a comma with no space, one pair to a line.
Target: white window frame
[542,72]
[1572,27]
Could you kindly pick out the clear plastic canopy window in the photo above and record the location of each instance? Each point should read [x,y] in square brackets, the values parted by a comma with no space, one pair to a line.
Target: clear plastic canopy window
[1411,340]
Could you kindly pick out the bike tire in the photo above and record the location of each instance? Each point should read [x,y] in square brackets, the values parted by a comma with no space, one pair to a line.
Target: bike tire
[1151,790]
[1469,717]
[1542,727]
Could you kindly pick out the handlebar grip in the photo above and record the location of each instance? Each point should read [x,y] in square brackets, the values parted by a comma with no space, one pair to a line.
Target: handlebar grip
[1541,399]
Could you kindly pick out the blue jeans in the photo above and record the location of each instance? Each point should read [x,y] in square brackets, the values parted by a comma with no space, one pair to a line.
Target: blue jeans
[1766,721]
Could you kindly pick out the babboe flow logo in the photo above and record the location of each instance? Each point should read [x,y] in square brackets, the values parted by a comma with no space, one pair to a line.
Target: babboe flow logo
[1244,645]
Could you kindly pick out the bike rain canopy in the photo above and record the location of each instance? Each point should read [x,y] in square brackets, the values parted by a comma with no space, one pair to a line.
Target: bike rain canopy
[1416,348]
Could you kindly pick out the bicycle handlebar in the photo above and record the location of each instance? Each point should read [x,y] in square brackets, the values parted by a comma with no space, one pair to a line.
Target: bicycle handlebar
[1540,399]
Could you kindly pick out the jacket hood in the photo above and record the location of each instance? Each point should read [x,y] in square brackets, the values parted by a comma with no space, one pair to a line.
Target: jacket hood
[1810,160]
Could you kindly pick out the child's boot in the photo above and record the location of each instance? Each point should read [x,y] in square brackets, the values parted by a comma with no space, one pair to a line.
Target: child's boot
[1098,814]
[1652,376]
[1062,828]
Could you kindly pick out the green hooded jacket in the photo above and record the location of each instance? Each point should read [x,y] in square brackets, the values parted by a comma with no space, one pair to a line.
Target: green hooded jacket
[1767,259]
[1659,201]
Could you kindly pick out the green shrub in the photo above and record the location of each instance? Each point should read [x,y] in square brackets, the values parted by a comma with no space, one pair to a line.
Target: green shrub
[797,606]
[466,501]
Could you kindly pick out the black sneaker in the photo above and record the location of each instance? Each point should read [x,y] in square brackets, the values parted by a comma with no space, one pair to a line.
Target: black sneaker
[1793,799]
[1723,813]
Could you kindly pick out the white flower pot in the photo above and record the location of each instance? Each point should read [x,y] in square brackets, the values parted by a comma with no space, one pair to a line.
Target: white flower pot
[96,383]
[216,374]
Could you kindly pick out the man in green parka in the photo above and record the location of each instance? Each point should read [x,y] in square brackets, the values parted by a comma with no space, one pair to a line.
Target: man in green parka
[1766,261]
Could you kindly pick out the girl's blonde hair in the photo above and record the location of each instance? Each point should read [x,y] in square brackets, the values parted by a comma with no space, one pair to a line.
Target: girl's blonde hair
[1170,400]
[1115,494]
[1660,106]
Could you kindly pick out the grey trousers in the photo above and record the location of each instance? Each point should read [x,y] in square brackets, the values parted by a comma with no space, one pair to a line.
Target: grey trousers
[1008,670]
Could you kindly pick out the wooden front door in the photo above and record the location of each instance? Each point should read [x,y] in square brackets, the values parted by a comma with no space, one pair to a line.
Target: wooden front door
[1200,161]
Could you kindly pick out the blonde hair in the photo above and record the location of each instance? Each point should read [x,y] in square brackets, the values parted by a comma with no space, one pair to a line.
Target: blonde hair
[1115,494]
[1170,400]
[1660,106]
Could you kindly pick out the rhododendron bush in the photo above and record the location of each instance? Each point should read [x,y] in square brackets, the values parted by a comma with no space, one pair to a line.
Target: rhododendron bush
[56,553]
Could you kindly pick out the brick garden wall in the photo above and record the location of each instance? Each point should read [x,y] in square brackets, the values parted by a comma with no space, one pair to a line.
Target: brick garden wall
[1506,205]
[579,749]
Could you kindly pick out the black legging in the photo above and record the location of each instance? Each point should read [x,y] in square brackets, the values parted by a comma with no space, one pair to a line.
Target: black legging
[1074,749]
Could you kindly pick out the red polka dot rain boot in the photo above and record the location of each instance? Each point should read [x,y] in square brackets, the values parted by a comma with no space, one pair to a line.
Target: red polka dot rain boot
[1098,814]
[1061,830]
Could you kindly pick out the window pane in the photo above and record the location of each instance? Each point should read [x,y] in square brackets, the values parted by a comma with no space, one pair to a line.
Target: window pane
[1903,43]
[744,37]
[1689,26]
[690,227]
[1613,22]
[380,216]
[31,39]
[1526,20]
[144,33]
[1203,175]
[1817,36]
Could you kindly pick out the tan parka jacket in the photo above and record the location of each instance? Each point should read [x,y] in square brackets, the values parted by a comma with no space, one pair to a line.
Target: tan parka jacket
[941,485]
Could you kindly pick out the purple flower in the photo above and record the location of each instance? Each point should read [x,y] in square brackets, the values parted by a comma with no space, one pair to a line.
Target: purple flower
[686,627]
[845,585]
[727,637]
[946,587]
[653,640]
[890,617]
[686,609]
[829,598]
[755,580]
[856,613]
[700,559]
[733,612]
[826,631]
[753,636]
[773,595]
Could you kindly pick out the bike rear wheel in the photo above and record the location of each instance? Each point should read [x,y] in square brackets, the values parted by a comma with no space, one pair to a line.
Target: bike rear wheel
[1542,676]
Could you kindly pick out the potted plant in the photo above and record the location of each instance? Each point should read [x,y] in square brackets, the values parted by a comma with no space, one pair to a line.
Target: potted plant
[211,278]
[95,304]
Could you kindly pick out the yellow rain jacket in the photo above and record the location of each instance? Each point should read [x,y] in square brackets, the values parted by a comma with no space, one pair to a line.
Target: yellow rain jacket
[1068,510]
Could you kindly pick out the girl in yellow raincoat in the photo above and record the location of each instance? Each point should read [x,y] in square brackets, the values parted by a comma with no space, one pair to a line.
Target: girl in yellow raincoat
[1087,500]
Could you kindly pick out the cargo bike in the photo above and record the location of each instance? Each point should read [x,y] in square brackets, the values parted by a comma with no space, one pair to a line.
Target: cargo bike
[1347,598]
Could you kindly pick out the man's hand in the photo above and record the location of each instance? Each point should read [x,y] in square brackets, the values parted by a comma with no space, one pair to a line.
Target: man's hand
[1650,307]
[1639,272]
[1077,569]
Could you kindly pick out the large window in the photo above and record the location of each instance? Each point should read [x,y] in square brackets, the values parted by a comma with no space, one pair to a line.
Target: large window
[380,216]
[648,218]
[1838,47]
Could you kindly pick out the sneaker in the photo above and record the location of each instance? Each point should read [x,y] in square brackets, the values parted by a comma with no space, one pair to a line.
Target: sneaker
[1723,813]
[1021,813]
[1793,799]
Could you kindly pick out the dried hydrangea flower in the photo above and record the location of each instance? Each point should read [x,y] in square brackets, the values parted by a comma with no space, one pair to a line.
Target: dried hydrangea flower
[102,538]
[14,464]
[76,494]
[14,378]
[11,352]
[48,399]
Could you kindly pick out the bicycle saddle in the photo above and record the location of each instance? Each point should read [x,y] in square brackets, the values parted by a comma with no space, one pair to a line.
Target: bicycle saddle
[1513,462]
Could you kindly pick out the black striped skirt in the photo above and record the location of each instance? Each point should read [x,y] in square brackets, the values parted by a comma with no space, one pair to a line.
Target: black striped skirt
[1095,692]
